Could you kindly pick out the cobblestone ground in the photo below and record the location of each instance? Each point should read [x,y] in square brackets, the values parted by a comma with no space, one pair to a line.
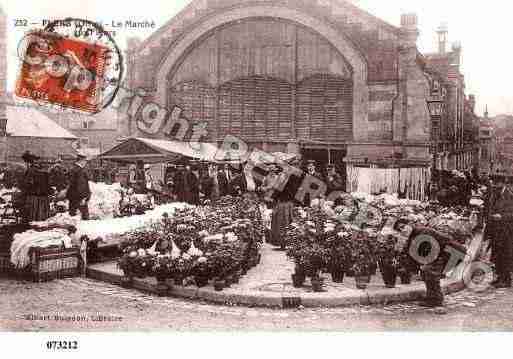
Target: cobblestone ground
[468,311]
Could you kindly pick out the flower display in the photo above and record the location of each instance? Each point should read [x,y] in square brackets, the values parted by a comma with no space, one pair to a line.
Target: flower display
[203,242]
[366,232]
[105,200]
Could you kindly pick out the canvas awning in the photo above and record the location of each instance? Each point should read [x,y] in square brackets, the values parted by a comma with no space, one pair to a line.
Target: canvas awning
[158,151]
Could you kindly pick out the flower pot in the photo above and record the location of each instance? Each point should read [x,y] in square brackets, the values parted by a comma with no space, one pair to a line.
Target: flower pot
[162,289]
[235,278]
[389,278]
[201,281]
[373,269]
[298,280]
[389,275]
[317,284]
[405,277]
[300,270]
[228,280]
[337,276]
[126,282]
[219,285]
[362,281]
[161,278]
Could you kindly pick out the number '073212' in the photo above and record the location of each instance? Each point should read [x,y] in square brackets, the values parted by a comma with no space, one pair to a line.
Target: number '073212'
[61,345]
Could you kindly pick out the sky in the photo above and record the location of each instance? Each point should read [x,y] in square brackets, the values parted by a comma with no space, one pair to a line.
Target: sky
[482,28]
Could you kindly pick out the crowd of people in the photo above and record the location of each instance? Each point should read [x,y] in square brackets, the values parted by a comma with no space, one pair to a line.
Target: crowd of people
[39,184]
[193,182]
[454,188]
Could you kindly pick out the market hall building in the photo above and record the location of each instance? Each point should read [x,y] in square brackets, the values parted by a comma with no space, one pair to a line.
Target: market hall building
[322,78]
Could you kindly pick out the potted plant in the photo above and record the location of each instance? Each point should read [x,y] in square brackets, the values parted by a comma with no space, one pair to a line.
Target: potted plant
[201,271]
[362,272]
[317,283]
[406,267]
[181,268]
[136,264]
[363,259]
[162,269]
[340,256]
[219,284]
[388,260]
[299,275]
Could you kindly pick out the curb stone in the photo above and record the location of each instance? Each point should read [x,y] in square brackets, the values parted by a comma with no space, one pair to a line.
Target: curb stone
[282,300]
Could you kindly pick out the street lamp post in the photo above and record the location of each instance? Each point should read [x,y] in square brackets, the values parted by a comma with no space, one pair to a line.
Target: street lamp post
[436,106]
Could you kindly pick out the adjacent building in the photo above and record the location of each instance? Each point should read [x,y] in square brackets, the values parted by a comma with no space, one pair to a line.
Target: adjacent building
[30,130]
[503,125]
[456,134]
[96,133]
[488,159]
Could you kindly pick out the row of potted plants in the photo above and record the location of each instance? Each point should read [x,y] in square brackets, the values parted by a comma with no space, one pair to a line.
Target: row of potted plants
[317,243]
[364,234]
[216,243]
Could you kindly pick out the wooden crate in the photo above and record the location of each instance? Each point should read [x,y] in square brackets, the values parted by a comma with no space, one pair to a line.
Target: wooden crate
[52,263]
[45,264]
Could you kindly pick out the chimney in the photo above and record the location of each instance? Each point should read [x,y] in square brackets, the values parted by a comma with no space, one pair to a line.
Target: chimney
[472,102]
[409,30]
[443,33]
[456,53]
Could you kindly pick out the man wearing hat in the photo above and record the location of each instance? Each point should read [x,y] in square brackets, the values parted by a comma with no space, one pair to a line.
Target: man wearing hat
[191,185]
[333,181]
[225,180]
[79,192]
[178,182]
[238,185]
[58,176]
[499,229]
[311,171]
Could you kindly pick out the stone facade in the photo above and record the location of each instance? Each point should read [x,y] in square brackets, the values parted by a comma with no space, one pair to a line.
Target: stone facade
[488,145]
[46,148]
[100,131]
[102,139]
[390,123]
[457,138]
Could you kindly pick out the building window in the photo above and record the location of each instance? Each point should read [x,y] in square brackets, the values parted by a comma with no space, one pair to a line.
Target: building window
[84,142]
[85,124]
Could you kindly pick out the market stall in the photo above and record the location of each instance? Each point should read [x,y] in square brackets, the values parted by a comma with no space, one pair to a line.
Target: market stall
[160,151]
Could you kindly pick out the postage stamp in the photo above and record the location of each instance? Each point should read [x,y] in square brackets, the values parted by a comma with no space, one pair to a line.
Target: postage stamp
[63,71]
[72,70]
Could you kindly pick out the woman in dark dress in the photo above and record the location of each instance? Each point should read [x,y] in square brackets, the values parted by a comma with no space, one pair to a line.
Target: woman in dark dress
[36,190]
[282,211]
[191,186]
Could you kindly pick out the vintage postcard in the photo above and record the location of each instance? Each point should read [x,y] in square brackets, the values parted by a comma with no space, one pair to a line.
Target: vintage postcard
[291,165]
